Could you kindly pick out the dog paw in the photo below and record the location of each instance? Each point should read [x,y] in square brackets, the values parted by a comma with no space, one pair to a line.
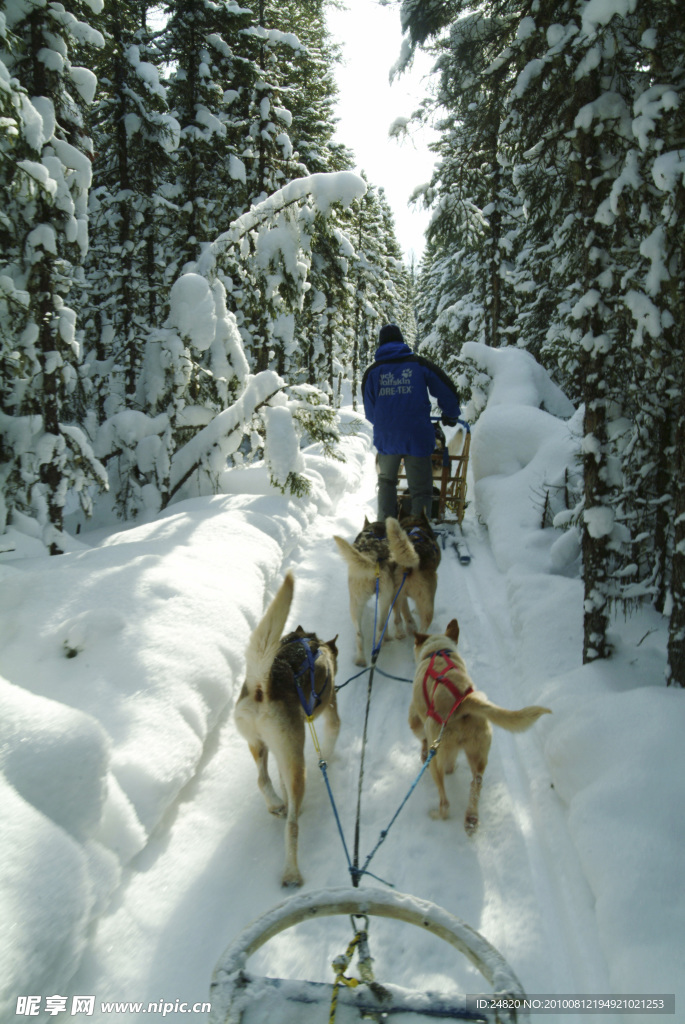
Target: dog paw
[360,660]
[292,880]
[280,810]
[439,813]
[470,823]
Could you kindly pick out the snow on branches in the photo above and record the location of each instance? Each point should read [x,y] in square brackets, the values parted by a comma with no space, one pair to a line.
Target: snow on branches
[180,448]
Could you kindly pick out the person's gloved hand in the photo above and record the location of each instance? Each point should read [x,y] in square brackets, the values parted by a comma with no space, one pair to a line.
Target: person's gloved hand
[449,421]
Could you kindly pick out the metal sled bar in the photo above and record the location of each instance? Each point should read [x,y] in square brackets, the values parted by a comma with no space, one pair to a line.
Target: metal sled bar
[230,982]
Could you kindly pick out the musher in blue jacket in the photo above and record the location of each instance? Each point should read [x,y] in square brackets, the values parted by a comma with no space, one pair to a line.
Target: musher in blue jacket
[396,389]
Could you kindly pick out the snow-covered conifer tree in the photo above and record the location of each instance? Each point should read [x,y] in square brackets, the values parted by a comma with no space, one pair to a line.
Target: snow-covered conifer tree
[267,301]
[47,215]
[581,137]
[134,135]
[20,143]
[558,79]
[320,326]
[211,74]
[378,278]
[471,193]
[653,184]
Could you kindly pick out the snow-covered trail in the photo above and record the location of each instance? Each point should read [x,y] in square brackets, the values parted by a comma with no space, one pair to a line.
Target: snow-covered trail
[214,865]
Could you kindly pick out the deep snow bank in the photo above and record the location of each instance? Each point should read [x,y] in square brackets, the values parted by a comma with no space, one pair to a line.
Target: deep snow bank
[615,727]
[523,456]
[116,663]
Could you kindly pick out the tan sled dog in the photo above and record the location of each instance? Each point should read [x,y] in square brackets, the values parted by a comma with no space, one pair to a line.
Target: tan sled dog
[271,715]
[444,695]
[402,562]
[415,550]
[370,565]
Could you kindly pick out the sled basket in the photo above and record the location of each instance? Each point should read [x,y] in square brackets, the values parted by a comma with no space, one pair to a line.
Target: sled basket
[449,479]
[238,997]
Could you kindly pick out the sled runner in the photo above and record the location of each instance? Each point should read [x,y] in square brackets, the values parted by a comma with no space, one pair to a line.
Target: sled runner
[461,547]
[450,463]
[238,997]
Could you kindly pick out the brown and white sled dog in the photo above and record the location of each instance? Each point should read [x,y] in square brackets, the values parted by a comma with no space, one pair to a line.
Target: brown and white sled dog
[370,565]
[444,695]
[415,550]
[271,716]
[400,562]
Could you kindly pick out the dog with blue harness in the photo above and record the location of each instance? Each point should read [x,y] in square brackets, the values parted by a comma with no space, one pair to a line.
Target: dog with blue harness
[289,682]
[415,533]
[392,560]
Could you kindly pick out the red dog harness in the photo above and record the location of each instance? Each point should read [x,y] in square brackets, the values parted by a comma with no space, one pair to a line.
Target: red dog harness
[441,677]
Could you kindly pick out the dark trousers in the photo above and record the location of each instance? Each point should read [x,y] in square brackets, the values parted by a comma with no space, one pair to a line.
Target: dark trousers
[419,480]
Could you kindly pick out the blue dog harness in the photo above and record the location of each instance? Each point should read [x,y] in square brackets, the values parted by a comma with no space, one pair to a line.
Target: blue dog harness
[309,702]
[417,532]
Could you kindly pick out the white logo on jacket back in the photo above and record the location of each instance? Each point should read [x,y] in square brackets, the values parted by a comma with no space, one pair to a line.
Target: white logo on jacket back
[390,384]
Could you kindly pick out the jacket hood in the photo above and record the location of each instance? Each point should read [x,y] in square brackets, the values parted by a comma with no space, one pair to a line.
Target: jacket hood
[392,350]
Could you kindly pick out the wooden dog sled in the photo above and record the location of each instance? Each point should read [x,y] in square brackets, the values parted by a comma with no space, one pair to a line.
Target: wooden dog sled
[238,997]
[450,464]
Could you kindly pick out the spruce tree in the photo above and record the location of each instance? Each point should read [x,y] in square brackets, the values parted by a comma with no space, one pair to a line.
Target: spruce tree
[657,305]
[133,137]
[204,45]
[49,203]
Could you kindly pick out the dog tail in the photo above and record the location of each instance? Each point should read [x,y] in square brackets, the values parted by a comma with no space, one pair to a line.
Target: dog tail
[513,721]
[352,555]
[402,550]
[265,639]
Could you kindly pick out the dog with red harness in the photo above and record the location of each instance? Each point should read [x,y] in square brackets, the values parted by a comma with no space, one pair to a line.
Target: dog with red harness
[448,714]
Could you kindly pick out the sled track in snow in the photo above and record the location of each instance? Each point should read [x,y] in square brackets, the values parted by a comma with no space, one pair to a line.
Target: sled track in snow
[555,873]
[513,882]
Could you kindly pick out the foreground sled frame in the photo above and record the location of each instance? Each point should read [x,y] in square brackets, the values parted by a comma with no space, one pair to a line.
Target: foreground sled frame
[449,479]
[234,991]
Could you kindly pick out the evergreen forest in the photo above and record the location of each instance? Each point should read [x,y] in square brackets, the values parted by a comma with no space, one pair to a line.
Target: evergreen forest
[189,269]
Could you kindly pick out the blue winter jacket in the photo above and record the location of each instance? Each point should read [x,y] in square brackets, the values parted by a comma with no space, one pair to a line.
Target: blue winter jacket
[396,390]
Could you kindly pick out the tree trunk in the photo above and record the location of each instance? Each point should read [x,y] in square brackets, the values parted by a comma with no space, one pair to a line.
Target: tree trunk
[595,540]
[676,632]
[662,525]
[50,472]
[594,549]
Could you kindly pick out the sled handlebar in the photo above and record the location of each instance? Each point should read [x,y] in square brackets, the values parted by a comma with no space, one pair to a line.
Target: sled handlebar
[460,422]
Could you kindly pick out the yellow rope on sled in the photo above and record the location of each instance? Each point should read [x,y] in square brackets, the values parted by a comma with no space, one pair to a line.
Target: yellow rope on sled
[360,942]
[340,965]
[315,738]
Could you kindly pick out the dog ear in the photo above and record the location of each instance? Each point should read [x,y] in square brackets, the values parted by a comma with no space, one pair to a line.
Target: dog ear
[420,639]
[332,643]
[452,631]
[367,524]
